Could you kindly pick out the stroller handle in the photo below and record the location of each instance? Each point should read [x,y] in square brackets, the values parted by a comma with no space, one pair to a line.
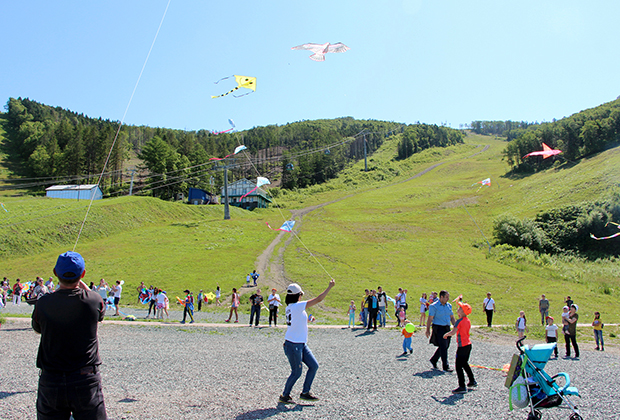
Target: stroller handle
[520,344]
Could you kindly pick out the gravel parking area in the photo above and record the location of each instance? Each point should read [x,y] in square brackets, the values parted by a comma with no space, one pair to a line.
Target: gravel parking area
[159,371]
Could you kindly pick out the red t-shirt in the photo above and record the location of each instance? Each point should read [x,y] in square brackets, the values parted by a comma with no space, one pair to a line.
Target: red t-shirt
[462,331]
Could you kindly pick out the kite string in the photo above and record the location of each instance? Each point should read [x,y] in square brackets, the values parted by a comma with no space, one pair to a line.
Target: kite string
[284,218]
[121,124]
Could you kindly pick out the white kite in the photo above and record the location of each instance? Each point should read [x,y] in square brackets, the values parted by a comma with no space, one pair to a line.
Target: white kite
[320,50]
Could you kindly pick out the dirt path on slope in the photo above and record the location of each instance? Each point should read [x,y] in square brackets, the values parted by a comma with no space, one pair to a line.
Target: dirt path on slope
[271,267]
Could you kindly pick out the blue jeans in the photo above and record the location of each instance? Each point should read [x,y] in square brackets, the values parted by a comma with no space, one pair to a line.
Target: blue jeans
[364,315]
[352,319]
[407,344]
[61,395]
[382,316]
[598,335]
[255,311]
[296,354]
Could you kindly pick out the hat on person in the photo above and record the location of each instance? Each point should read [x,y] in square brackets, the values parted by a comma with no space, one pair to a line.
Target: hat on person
[186,291]
[549,318]
[574,305]
[565,307]
[274,289]
[466,307]
[69,266]
[294,289]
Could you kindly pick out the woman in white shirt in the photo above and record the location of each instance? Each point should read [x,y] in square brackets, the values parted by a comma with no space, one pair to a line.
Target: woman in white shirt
[295,344]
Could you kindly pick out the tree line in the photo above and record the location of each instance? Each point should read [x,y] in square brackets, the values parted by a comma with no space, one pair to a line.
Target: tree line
[579,135]
[58,143]
[508,129]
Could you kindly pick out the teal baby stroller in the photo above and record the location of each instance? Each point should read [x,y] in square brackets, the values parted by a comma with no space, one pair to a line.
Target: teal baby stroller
[531,386]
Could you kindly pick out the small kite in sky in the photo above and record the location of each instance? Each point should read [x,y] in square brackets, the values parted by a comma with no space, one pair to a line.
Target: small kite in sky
[232,124]
[237,150]
[260,181]
[242,82]
[607,237]
[286,226]
[545,152]
[320,50]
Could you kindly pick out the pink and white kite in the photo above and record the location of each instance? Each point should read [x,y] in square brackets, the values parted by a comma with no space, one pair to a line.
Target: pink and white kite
[260,181]
[286,226]
[320,50]
[232,124]
[546,152]
[237,150]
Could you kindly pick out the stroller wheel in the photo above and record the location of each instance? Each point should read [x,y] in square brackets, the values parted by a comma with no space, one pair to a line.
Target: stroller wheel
[575,416]
[535,415]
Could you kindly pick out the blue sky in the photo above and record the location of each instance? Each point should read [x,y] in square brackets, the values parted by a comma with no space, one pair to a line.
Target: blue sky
[433,61]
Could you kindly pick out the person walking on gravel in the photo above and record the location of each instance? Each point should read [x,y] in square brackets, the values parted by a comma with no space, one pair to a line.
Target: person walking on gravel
[295,341]
[274,303]
[440,316]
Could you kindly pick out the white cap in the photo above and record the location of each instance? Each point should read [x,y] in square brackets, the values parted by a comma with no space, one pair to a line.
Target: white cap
[294,289]
[576,307]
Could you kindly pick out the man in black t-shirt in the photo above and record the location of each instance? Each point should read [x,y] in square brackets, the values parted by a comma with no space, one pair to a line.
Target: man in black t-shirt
[256,300]
[68,356]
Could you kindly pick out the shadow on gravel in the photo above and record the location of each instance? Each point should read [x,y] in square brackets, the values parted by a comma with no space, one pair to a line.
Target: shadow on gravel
[429,374]
[4,395]
[265,413]
[451,400]
[127,400]
[16,329]
[366,332]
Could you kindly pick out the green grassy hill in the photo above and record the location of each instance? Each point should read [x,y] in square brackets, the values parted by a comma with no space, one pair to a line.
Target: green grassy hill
[381,228]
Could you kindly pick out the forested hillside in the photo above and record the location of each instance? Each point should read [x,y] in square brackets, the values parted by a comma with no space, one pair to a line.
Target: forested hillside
[68,147]
[579,135]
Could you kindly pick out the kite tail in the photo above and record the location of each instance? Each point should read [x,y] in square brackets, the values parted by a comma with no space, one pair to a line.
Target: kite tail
[1,204]
[248,193]
[227,93]
[245,94]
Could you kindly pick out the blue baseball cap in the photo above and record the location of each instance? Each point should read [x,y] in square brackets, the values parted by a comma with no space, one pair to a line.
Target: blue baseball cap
[69,266]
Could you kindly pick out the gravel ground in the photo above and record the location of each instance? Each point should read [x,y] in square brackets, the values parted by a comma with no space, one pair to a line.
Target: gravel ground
[170,371]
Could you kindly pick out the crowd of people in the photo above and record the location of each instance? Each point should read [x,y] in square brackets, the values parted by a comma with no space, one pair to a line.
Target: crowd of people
[69,357]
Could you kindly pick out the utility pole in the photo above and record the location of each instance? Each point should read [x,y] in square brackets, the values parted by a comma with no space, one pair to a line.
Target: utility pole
[226,207]
[225,167]
[131,183]
[365,161]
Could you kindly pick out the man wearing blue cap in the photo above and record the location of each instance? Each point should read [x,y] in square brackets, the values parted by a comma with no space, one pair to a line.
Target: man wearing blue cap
[70,383]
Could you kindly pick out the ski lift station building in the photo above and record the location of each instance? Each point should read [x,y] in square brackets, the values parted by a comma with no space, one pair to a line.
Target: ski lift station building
[256,199]
[75,192]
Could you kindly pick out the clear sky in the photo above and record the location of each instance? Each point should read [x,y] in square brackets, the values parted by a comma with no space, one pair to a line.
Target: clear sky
[433,61]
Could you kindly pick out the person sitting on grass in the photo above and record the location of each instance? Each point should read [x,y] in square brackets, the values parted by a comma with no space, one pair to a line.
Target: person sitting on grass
[461,330]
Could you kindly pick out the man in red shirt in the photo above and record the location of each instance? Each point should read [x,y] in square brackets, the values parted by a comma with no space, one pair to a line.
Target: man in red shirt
[461,330]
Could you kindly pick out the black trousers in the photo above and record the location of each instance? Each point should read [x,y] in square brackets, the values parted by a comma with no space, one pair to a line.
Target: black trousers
[553,340]
[568,339]
[273,314]
[61,395]
[462,365]
[489,316]
[442,345]
[372,317]
[255,311]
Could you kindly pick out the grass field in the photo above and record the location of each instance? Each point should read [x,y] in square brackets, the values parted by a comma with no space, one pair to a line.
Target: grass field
[382,228]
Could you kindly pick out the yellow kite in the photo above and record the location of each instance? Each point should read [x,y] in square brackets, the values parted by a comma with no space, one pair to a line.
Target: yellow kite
[242,82]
